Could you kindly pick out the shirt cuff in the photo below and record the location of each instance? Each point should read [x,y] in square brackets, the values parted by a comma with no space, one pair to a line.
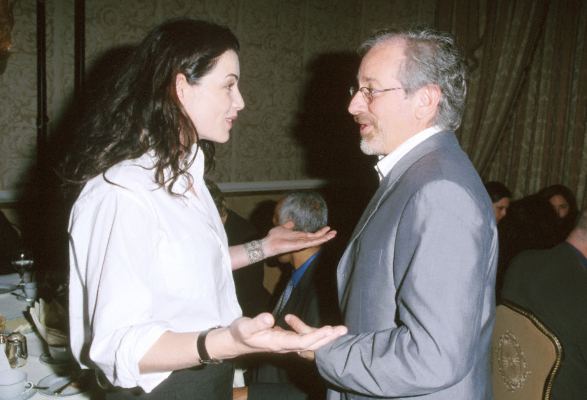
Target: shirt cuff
[134,345]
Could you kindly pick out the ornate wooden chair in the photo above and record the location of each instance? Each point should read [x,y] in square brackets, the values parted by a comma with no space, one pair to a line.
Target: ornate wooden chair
[525,355]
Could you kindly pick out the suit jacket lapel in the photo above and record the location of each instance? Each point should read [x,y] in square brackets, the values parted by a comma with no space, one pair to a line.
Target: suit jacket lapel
[441,139]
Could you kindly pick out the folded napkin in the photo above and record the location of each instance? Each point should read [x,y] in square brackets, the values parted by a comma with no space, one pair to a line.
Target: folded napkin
[50,320]
[4,364]
[12,310]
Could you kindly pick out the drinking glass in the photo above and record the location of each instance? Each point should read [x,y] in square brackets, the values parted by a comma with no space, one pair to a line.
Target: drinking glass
[23,264]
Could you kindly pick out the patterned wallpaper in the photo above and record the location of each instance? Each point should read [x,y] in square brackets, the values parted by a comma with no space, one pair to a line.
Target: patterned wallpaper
[18,100]
[296,63]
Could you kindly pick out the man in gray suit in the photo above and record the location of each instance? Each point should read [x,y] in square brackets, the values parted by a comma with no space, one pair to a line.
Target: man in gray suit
[416,282]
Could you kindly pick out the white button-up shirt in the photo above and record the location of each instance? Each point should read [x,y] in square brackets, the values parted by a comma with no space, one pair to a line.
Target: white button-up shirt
[387,162]
[144,262]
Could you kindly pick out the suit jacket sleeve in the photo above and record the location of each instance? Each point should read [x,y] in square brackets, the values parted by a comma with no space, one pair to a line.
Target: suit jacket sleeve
[444,245]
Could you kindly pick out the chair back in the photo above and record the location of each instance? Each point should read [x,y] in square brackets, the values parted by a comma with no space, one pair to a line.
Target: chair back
[525,355]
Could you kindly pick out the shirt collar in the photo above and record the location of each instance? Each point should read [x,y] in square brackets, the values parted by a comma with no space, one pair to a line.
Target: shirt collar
[198,165]
[296,276]
[386,163]
[196,169]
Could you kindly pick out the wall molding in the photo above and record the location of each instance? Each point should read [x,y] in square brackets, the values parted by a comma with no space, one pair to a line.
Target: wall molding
[14,196]
[271,186]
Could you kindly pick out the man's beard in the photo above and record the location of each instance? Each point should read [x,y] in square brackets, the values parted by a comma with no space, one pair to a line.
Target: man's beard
[370,147]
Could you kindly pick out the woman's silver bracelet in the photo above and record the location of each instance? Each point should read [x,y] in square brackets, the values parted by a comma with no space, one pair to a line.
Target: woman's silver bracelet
[255,251]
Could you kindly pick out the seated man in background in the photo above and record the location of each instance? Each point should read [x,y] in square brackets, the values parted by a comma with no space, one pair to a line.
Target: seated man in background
[552,284]
[250,292]
[310,294]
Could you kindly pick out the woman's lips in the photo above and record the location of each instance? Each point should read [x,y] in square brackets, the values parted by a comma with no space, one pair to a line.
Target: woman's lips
[230,121]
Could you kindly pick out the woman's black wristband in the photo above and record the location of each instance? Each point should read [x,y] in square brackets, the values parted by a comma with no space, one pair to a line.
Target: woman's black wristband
[201,345]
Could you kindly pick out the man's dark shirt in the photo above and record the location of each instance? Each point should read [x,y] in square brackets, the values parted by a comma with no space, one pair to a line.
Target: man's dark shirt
[552,284]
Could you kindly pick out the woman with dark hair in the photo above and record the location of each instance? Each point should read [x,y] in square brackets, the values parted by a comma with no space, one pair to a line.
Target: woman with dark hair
[150,280]
[500,196]
[562,199]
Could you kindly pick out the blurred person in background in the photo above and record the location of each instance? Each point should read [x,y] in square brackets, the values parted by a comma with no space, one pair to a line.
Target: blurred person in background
[552,285]
[529,225]
[310,294]
[500,196]
[10,243]
[563,201]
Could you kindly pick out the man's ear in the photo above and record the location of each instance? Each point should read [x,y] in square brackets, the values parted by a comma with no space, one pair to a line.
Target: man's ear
[180,83]
[428,99]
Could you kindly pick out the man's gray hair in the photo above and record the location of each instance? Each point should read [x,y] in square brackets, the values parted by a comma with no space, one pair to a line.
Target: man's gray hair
[307,210]
[432,58]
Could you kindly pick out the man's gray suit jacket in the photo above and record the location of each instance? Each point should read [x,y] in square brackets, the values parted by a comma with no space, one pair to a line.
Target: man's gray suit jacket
[416,284]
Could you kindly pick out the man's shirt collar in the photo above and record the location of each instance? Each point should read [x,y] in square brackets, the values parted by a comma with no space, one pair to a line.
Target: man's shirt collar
[298,273]
[386,163]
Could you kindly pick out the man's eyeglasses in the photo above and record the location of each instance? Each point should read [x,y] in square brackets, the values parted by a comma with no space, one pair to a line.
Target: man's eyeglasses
[369,93]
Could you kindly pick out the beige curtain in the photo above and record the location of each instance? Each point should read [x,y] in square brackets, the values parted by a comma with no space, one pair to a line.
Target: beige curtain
[499,39]
[544,141]
[525,121]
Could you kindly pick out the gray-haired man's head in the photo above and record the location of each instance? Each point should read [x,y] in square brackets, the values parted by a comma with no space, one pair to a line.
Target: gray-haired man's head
[307,210]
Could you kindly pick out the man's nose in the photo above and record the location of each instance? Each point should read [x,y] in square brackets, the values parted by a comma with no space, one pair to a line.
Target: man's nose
[357,104]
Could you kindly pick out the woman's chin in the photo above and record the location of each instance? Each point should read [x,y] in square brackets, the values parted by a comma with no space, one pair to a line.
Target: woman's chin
[224,139]
[218,138]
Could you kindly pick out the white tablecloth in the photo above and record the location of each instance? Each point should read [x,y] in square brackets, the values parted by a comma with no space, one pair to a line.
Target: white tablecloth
[14,310]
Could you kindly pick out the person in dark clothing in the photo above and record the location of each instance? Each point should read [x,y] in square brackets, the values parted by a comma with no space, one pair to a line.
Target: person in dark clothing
[552,284]
[501,198]
[9,244]
[563,202]
[529,225]
[309,294]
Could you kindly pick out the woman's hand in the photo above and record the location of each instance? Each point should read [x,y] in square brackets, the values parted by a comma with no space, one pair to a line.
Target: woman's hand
[279,240]
[255,335]
[283,239]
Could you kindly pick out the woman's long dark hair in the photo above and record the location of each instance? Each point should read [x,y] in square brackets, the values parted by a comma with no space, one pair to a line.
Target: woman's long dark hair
[567,223]
[141,112]
[497,191]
